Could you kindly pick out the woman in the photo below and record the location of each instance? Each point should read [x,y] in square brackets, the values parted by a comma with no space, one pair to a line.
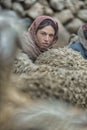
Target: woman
[41,35]
[79,42]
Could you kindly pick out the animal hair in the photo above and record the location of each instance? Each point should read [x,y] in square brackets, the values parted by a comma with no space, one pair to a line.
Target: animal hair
[16,111]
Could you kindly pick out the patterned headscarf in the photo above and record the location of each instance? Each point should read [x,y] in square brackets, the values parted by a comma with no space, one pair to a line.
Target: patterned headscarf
[29,42]
[33,28]
[80,37]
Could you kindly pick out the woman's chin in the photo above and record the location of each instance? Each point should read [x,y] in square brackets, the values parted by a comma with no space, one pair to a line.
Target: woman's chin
[44,48]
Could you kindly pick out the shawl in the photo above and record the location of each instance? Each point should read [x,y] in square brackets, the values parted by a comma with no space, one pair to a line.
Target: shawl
[79,38]
[29,43]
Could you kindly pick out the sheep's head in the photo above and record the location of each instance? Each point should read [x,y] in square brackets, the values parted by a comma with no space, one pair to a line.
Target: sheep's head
[11,28]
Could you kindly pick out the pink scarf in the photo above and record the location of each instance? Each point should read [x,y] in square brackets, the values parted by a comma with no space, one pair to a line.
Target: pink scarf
[30,42]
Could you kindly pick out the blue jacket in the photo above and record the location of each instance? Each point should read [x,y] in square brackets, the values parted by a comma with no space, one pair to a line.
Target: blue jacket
[78,47]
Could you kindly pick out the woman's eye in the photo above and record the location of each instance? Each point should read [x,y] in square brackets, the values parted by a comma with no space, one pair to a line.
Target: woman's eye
[43,34]
[51,35]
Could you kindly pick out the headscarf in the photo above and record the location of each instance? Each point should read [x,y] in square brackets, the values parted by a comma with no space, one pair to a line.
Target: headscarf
[79,37]
[33,28]
[30,43]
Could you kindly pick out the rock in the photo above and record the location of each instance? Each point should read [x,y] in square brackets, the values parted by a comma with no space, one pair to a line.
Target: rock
[65,16]
[82,14]
[57,4]
[32,11]
[18,8]
[74,25]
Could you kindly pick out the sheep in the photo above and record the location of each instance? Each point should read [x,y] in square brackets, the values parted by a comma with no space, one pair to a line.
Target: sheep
[19,112]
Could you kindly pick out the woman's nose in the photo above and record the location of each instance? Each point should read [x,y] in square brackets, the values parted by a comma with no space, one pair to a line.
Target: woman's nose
[47,38]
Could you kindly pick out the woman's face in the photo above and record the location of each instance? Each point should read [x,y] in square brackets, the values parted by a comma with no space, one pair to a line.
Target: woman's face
[45,36]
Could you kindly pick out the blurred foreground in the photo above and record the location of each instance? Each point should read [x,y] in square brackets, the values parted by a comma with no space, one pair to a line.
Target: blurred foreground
[17,110]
